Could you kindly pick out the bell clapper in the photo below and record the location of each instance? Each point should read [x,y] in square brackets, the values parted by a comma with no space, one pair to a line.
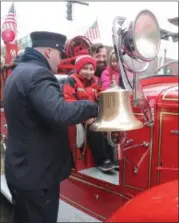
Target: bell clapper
[117,145]
[114,146]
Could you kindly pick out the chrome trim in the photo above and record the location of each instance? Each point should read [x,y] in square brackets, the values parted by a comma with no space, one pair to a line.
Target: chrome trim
[175,132]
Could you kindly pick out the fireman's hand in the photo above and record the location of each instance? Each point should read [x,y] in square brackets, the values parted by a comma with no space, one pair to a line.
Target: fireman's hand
[90,121]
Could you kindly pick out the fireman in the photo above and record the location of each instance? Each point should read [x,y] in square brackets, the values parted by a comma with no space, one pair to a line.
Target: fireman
[83,85]
[38,156]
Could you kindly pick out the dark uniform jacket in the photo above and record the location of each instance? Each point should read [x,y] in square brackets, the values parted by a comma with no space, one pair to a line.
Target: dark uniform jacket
[38,153]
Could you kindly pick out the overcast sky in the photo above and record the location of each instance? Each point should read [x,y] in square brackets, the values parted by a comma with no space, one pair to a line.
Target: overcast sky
[51,16]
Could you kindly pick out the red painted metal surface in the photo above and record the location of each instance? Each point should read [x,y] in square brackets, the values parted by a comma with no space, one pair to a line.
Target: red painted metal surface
[159,204]
[169,98]
[167,168]
[92,198]
[171,94]
[159,80]
[134,158]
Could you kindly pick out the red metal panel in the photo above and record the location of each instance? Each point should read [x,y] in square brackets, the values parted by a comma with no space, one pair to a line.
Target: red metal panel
[168,147]
[141,179]
[159,80]
[91,198]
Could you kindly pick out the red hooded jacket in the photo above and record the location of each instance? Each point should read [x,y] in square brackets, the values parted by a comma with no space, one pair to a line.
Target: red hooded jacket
[76,88]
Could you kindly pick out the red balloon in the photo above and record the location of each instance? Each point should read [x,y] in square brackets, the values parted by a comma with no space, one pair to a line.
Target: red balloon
[8,35]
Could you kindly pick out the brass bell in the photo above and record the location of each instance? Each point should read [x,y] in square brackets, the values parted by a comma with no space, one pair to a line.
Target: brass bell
[115,111]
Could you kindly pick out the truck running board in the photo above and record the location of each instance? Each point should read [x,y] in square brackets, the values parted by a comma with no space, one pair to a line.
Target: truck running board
[112,177]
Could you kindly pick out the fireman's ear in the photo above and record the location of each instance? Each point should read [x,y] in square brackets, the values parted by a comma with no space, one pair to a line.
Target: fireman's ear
[48,52]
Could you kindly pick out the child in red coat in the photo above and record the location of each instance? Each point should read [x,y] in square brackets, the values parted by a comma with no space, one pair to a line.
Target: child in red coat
[83,85]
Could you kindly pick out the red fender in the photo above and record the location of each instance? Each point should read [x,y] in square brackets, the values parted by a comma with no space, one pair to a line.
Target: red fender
[158,204]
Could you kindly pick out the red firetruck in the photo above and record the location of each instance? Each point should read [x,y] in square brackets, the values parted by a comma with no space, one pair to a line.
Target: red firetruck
[145,189]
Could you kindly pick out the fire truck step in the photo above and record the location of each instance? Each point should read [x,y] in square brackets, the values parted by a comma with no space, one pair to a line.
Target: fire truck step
[112,177]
